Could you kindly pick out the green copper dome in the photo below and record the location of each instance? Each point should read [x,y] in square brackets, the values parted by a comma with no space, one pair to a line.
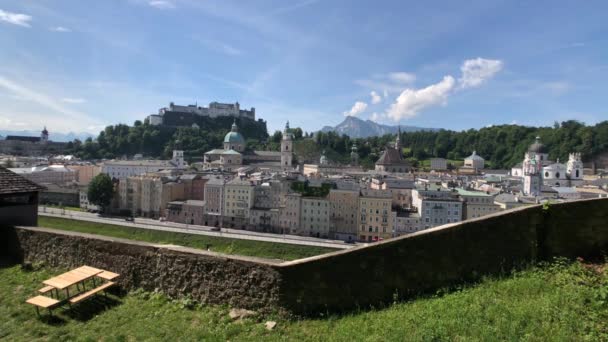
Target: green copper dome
[234,137]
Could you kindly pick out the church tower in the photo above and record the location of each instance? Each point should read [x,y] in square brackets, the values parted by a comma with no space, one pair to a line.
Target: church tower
[354,155]
[178,156]
[398,142]
[575,167]
[286,148]
[44,136]
[533,176]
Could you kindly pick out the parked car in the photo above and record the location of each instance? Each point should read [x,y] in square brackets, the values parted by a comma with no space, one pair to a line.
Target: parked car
[130,219]
[216,229]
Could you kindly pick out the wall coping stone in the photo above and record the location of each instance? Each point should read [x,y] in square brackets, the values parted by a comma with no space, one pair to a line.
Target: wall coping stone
[176,248]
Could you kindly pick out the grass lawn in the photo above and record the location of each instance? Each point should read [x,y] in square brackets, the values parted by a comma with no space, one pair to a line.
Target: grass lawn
[261,249]
[66,207]
[563,301]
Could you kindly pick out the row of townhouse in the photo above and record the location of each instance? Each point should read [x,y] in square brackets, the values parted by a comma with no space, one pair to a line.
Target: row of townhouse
[350,211]
[148,194]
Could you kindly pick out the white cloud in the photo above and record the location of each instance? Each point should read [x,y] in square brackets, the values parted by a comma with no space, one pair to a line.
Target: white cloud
[402,77]
[46,101]
[60,29]
[73,100]
[390,82]
[375,117]
[412,101]
[385,93]
[358,108]
[15,18]
[476,71]
[161,4]
[375,97]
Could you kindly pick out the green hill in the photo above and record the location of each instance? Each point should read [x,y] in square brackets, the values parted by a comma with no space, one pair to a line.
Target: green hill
[159,141]
[562,301]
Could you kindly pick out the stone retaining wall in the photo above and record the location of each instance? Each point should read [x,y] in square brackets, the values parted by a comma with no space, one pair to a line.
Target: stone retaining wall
[339,281]
[204,276]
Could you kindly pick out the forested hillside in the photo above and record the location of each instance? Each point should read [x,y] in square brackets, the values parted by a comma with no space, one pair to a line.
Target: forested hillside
[502,146]
[159,141]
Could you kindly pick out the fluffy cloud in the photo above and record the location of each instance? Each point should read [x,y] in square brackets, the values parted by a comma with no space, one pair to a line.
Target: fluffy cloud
[412,101]
[476,71]
[161,4]
[358,108]
[60,29]
[15,18]
[375,117]
[375,97]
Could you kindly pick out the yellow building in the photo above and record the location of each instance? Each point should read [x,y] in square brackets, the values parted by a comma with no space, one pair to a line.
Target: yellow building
[344,205]
[238,201]
[374,219]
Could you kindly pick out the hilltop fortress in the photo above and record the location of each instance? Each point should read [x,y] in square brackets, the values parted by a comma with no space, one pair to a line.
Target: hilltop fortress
[178,115]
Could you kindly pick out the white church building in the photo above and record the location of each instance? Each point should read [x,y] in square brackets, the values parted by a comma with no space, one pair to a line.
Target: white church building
[554,174]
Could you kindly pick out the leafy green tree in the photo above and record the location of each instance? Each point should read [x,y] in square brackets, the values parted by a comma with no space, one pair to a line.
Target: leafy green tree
[101,190]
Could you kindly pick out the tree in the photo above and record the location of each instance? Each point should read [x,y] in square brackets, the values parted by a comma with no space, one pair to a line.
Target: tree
[101,190]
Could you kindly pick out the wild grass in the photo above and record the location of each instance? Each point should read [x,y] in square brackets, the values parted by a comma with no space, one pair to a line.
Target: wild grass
[270,250]
[561,301]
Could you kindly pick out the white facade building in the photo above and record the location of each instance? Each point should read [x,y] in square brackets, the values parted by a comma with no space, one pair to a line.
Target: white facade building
[314,217]
[54,174]
[436,206]
[286,148]
[474,161]
[533,176]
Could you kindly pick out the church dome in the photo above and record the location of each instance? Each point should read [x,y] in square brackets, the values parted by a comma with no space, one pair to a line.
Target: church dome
[234,137]
[537,147]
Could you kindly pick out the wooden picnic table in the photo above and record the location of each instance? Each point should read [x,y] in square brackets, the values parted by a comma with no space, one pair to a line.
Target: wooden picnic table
[67,279]
[73,277]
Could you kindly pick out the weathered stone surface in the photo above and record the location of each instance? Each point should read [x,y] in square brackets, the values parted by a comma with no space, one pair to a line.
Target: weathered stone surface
[270,325]
[340,281]
[443,256]
[204,276]
[241,313]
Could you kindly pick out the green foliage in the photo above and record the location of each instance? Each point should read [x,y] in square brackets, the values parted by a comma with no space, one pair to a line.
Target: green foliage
[311,191]
[561,301]
[217,244]
[101,190]
[159,141]
[501,146]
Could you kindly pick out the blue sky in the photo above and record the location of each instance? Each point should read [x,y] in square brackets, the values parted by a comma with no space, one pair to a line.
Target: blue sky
[80,65]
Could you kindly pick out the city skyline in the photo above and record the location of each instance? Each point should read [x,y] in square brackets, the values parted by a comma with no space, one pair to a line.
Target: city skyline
[311,62]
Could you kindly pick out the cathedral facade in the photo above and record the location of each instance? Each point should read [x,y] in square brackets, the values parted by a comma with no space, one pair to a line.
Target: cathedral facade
[235,155]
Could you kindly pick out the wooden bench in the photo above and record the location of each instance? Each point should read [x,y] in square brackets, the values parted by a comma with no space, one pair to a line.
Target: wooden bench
[107,275]
[85,295]
[43,302]
[46,289]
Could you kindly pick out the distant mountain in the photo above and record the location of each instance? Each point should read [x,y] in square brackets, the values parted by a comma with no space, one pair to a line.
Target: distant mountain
[357,128]
[53,136]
